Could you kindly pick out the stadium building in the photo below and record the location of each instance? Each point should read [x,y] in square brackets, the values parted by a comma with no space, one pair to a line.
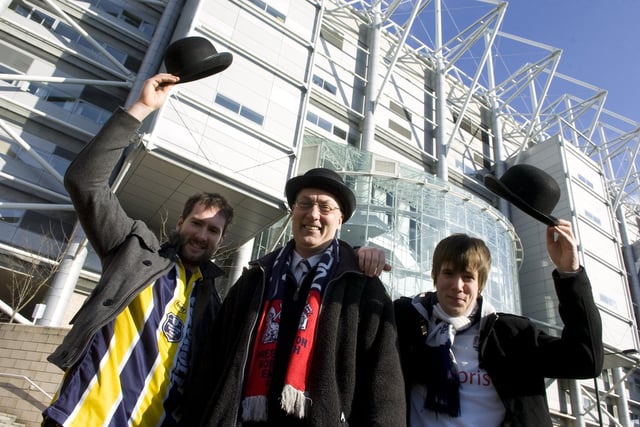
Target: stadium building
[412,102]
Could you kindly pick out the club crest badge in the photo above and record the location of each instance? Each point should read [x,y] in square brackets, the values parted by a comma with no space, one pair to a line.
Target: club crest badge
[173,328]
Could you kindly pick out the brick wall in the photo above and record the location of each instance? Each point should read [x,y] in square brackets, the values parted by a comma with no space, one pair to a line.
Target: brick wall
[23,352]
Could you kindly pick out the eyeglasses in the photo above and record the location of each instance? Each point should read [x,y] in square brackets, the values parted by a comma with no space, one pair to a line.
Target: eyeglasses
[324,207]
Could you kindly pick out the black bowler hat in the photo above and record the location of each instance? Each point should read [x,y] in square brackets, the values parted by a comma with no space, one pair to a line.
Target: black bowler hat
[529,188]
[193,58]
[323,179]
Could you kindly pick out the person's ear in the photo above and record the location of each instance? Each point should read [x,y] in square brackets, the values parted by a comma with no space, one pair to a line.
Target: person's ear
[179,223]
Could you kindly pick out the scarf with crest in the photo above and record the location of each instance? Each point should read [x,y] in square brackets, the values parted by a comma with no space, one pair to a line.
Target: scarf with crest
[443,382]
[294,398]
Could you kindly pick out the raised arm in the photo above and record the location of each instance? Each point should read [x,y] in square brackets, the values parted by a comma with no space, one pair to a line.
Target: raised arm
[562,247]
[154,93]
[87,178]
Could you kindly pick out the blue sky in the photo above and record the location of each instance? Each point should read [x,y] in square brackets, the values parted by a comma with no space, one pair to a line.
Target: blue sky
[600,41]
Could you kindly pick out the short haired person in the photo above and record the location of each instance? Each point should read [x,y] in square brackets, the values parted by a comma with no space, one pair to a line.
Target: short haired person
[133,342]
[467,365]
[291,349]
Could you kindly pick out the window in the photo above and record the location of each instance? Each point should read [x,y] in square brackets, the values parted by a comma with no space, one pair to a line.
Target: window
[340,133]
[19,9]
[399,110]
[239,109]
[72,36]
[116,53]
[325,124]
[319,81]
[110,8]
[42,19]
[474,130]
[41,223]
[593,217]
[131,19]
[66,32]
[405,133]
[147,28]
[351,136]
[100,98]
[132,63]
[332,37]
[89,111]
[251,115]
[61,99]
[263,5]
[585,181]
[11,216]
[92,103]
[227,103]
[608,301]
[126,16]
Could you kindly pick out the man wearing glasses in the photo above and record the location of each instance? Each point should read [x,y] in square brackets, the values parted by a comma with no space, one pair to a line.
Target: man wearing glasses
[304,337]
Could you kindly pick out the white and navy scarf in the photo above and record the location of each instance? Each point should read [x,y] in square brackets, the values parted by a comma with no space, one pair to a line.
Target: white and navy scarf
[443,383]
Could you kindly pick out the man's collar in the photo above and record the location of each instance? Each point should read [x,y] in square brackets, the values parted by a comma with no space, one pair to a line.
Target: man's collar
[296,258]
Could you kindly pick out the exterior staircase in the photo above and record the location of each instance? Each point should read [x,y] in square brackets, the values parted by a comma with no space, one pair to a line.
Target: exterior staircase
[7,420]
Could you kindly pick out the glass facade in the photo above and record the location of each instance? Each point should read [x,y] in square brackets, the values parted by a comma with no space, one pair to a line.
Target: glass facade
[406,212]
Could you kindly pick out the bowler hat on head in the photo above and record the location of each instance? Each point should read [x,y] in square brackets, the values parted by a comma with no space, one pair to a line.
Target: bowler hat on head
[323,179]
[529,188]
[193,58]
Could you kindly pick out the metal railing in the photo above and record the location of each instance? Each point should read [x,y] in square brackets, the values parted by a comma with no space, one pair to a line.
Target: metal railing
[29,380]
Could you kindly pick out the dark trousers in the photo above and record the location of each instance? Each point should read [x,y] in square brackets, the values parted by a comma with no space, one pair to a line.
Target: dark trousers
[48,422]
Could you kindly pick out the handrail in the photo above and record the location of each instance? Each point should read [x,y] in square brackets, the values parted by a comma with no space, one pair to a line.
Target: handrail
[24,377]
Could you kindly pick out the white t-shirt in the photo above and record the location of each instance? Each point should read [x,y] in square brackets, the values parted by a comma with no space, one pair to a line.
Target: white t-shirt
[479,401]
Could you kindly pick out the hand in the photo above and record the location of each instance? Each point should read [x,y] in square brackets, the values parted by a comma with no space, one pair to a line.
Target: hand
[562,247]
[372,261]
[153,94]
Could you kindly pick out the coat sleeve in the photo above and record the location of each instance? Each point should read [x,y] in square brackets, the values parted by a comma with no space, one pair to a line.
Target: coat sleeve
[516,341]
[411,342]
[87,181]
[382,377]
[579,352]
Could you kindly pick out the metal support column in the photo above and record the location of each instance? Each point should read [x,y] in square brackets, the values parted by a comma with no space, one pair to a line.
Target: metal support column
[441,100]
[576,402]
[622,399]
[65,280]
[369,124]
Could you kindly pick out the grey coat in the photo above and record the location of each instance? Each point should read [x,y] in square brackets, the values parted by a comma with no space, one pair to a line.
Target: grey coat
[130,253]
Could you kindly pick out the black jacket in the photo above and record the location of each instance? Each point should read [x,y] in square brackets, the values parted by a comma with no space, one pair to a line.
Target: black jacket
[356,378]
[517,355]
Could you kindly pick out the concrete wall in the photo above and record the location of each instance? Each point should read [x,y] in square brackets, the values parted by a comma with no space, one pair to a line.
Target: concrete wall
[23,353]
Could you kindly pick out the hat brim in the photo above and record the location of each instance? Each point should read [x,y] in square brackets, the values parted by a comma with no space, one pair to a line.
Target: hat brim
[497,187]
[207,67]
[343,193]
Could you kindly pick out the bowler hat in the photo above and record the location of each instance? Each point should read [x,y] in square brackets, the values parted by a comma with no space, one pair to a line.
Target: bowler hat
[530,189]
[323,179]
[193,58]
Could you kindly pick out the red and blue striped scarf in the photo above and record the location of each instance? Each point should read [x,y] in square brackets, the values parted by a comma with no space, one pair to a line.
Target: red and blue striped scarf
[294,398]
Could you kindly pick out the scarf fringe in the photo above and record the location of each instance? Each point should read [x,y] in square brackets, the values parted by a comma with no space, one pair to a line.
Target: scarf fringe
[254,408]
[294,402]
